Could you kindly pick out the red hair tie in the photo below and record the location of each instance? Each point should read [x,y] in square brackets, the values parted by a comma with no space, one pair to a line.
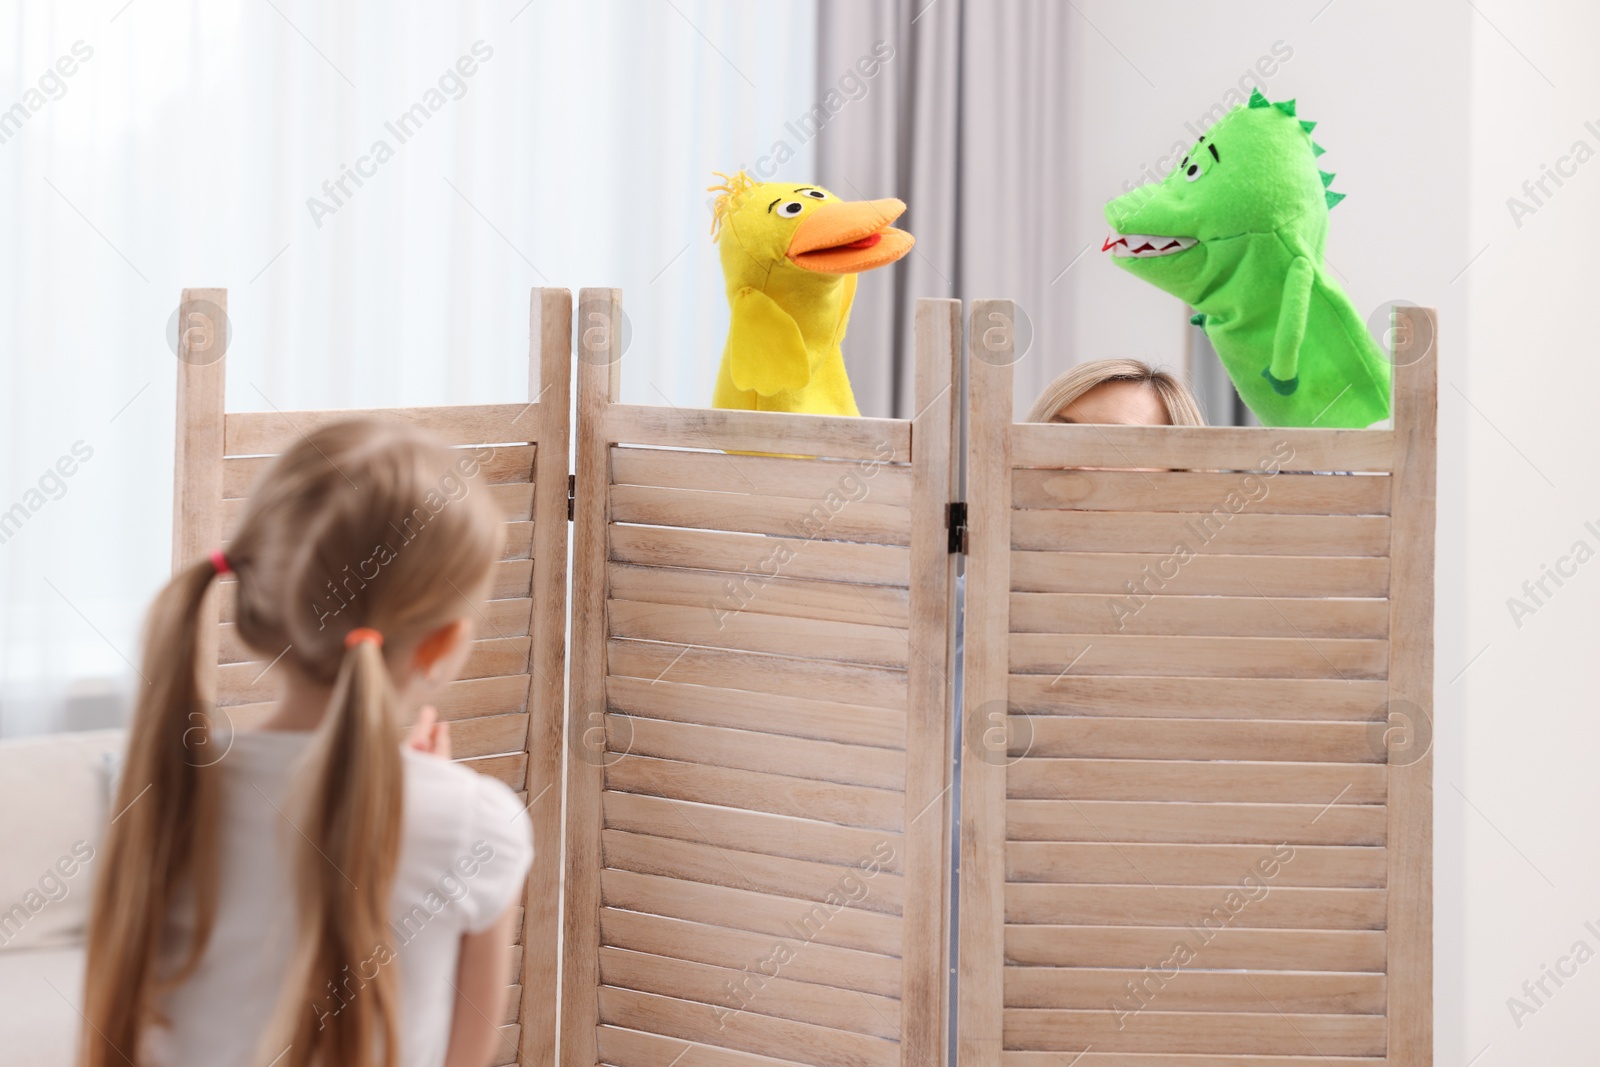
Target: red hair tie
[360,634]
[220,562]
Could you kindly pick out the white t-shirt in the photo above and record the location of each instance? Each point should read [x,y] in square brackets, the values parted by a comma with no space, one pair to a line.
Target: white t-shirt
[466,847]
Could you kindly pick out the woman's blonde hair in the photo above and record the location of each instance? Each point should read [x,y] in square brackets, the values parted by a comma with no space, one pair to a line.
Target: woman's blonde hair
[1175,396]
[359,524]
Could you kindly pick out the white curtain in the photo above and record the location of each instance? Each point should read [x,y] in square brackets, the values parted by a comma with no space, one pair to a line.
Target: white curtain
[548,143]
[970,126]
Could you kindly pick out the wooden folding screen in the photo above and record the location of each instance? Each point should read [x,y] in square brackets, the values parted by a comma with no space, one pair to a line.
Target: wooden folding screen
[1196,806]
[506,711]
[756,866]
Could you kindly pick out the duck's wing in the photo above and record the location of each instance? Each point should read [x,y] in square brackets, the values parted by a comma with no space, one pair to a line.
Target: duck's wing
[766,351]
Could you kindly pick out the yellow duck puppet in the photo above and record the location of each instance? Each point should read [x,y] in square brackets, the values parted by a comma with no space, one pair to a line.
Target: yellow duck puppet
[790,254]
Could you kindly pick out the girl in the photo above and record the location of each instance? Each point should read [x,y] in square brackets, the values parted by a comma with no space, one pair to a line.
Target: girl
[318,895]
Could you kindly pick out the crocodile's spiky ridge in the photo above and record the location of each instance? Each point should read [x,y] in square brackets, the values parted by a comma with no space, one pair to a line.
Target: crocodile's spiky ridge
[1237,230]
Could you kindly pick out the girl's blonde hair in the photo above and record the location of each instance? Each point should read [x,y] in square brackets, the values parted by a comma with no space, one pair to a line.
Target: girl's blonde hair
[1175,396]
[359,524]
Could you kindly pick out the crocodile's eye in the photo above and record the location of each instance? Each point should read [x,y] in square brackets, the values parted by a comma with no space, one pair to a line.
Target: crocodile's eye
[1193,173]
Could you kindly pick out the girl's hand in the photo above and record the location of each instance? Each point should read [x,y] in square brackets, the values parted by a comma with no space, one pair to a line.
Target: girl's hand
[430,735]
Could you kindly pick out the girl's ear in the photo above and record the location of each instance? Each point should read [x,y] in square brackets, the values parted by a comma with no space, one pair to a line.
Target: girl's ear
[442,646]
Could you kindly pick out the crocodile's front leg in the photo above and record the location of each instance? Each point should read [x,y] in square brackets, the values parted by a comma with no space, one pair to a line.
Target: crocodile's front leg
[1283,373]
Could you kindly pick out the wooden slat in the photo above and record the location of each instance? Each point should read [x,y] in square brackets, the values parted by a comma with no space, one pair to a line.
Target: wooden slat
[507,617]
[512,578]
[768,1036]
[1274,907]
[1411,690]
[1222,698]
[1092,820]
[1204,657]
[876,809]
[505,1052]
[752,631]
[197,526]
[510,769]
[753,831]
[550,386]
[1207,534]
[515,502]
[621,1047]
[507,463]
[1108,572]
[1215,947]
[827,965]
[833,516]
[749,671]
[1197,781]
[1331,866]
[931,668]
[991,346]
[791,557]
[1201,448]
[756,872]
[792,716]
[488,735]
[1197,739]
[836,436]
[1024,1058]
[599,374]
[1285,494]
[750,750]
[462,699]
[804,921]
[735,990]
[482,696]
[258,433]
[492,655]
[1208,616]
[518,540]
[722,472]
[727,594]
[1092,988]
[1263,1033]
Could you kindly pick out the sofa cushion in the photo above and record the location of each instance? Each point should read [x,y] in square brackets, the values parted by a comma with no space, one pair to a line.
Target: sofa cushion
[42,990]
[59,784]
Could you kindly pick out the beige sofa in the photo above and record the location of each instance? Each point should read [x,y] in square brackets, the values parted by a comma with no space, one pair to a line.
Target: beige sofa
[55,794]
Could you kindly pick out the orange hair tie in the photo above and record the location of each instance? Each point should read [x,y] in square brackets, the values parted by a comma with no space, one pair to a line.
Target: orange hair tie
[360,634]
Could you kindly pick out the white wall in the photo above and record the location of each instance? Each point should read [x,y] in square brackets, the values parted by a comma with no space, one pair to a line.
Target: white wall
[1389,85]
[1527,788]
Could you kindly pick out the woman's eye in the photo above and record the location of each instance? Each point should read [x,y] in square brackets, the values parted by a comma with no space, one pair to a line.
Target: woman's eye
[816,194]
[791,209]
[1193,173]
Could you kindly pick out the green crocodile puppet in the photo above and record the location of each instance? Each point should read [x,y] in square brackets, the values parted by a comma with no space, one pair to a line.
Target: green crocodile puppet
[1237,231]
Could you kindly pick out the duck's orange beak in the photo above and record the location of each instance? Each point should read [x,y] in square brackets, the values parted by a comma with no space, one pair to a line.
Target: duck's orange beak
[847,237]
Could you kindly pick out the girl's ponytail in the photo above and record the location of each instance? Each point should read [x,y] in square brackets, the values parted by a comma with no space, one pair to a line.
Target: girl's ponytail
[162,835]
[341,1002]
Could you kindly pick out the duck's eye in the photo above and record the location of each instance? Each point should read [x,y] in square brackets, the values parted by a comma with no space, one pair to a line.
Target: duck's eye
[791,208]
[1193,173]
[816,194]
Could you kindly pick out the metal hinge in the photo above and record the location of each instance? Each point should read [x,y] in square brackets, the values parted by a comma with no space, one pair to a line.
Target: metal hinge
[955,519]
[572,495]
